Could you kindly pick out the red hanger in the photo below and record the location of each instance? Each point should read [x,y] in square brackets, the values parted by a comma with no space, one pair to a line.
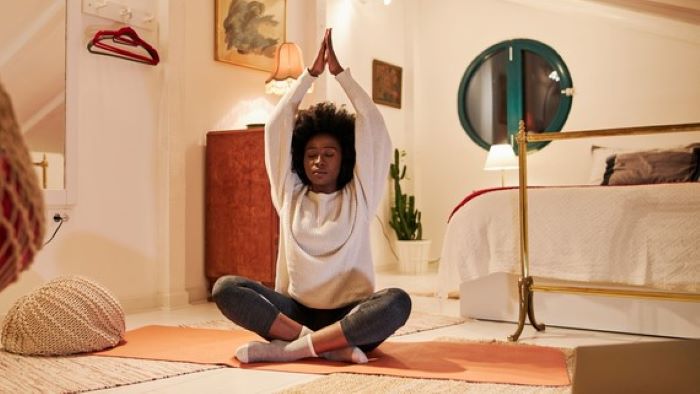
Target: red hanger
[126,36]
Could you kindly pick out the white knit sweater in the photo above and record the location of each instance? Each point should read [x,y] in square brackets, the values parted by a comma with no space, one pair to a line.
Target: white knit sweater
[324,259]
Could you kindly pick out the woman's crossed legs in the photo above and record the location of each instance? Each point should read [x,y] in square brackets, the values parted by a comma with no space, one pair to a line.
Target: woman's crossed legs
[296,331]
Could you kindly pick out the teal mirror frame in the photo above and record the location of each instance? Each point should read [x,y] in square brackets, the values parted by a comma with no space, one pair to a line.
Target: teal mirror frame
[515,89]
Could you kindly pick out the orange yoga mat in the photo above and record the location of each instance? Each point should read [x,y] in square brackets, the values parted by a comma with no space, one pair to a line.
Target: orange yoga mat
[474,362]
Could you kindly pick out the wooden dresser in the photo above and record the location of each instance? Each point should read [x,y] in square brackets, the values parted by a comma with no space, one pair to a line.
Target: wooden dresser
[241,225]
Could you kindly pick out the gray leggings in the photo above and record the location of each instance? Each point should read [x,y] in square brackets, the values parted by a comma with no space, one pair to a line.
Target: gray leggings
[255,307]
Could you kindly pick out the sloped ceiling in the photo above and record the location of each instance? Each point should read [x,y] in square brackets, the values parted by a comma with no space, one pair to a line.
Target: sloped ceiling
[687,11]
[32,68]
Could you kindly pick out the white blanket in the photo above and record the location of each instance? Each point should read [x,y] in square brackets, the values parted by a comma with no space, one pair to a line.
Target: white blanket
[646,235]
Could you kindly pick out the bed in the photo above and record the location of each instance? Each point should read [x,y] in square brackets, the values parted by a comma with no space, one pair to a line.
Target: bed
[644,238]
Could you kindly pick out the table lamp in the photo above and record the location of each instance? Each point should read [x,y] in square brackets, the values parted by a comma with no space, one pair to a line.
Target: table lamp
[289,65]
[501,157]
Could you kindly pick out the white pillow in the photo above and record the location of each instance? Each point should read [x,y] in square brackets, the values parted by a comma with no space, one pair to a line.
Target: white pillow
[599,157]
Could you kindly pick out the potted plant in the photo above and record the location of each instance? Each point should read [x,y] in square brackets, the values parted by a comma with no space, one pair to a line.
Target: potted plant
[411,248]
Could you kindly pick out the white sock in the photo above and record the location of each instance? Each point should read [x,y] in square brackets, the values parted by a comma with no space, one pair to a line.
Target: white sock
[276,351]
[305,331]
[351,354]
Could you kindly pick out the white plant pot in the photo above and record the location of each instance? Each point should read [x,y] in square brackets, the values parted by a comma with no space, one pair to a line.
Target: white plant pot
[413,256]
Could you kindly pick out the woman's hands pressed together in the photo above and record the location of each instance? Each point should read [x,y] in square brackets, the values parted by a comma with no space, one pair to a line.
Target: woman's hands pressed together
[326,55]
[319,64]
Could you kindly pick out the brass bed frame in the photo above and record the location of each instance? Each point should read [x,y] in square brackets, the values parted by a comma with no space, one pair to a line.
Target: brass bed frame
[526,285]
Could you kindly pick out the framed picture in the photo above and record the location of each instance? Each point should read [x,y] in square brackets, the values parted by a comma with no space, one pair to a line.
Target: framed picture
[386,84]
[248,32]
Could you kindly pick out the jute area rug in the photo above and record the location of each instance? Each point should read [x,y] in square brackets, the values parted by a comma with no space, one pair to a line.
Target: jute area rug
[23,374]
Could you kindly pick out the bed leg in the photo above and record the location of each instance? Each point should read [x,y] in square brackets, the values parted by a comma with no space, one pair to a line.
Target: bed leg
[531,307]
[523,301]
[526,308]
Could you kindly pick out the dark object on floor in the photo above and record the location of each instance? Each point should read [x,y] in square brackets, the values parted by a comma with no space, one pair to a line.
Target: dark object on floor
[651,367]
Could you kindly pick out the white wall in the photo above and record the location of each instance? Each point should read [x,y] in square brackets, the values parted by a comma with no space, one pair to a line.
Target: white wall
[364,31]
[112,231]
[628,70]
[137,226]
[219,96]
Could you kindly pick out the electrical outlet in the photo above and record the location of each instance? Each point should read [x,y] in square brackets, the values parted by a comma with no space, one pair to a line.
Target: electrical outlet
[60,217]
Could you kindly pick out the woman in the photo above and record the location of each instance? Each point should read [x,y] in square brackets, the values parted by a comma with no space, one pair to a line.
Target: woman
[324,303]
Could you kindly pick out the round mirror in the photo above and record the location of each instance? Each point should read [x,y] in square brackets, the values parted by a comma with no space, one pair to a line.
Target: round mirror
[510,81]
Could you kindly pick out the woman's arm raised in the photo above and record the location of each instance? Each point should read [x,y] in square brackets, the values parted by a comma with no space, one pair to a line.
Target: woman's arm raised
[372,143]
[278,137]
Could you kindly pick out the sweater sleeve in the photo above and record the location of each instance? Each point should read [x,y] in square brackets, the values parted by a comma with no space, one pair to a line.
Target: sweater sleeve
[372,143]
[278,138]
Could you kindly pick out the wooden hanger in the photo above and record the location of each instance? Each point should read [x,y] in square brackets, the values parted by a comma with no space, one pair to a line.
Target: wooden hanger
[125,37]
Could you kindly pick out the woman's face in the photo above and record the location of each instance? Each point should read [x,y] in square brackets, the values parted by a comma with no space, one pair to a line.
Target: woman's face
[322,159]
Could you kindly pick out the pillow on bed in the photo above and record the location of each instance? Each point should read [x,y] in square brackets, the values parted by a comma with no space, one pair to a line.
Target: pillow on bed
[599,159]
[653,166]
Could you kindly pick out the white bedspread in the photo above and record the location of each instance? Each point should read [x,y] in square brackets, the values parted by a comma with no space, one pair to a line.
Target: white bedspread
[646,235]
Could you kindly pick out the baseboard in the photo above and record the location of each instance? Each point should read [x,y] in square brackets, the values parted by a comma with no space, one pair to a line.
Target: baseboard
[139,304]
[197,294]
[173,300]
[164,301]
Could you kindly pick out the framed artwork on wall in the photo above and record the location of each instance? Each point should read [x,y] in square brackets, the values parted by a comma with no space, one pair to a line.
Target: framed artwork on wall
[247,32]
[386,83]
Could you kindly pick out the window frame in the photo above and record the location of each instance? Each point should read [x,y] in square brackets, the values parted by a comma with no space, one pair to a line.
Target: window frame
[515,89]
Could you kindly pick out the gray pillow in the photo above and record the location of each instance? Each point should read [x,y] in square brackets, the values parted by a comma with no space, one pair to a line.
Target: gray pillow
[654,166]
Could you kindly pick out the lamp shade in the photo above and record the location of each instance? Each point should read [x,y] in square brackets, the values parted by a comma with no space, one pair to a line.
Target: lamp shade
[501,157]
[288,66]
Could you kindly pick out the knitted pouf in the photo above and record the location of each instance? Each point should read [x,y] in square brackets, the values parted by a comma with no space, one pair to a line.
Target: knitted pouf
[21,200]
[65,316]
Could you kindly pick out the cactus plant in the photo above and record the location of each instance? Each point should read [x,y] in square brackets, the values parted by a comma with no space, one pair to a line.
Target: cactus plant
[405,218]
